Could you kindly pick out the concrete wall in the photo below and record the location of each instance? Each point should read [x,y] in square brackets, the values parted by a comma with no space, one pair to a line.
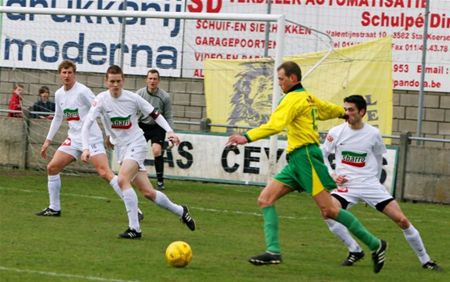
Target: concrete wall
[436,115]
[427,174]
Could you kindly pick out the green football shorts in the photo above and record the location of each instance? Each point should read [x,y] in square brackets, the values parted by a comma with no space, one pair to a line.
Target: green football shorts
[306,171]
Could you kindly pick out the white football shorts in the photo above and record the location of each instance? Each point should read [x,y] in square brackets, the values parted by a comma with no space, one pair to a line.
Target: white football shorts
[76,149]
[372,194]
[136,151]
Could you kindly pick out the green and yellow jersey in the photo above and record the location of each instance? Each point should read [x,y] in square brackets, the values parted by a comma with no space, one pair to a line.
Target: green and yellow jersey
[298,112]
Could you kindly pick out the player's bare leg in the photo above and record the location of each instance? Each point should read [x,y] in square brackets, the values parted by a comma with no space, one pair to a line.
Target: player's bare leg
[143,183]
[59,161]
[100,162]
[127,171]
[330,210]
[412,235]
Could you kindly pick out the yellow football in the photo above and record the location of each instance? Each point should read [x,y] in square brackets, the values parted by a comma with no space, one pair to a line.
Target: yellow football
[178,254]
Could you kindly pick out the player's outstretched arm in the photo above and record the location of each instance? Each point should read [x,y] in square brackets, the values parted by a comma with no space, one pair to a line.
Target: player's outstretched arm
[236,139]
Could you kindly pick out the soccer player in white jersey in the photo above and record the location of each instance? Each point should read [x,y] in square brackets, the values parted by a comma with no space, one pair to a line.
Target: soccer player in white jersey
[358,149]
[73,101]
[119,109]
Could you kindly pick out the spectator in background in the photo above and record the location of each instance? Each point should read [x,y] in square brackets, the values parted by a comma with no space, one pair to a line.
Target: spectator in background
[15,102]
[43,104]
[160,99]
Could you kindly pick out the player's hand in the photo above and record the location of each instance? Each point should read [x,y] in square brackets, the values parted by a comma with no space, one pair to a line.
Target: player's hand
[108,143]
[44,148]
[85,155]
[340,179]
[236,139]
[172,137]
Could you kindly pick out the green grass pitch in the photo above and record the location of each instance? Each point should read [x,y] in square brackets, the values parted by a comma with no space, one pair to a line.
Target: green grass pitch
[82,244]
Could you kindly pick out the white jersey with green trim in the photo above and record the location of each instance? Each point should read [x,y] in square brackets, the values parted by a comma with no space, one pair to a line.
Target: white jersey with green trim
[358,153]
[73,105]
[121,115]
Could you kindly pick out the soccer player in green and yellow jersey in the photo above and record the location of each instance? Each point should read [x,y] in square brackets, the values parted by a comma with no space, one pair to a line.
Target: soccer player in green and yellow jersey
[298,112]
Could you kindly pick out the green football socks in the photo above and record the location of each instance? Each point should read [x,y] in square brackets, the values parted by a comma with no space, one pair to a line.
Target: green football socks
[357,229]
[271,229]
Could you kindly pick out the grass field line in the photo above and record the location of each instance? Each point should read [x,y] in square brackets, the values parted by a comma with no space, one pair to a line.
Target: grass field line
[62,194]
[247,213]
[65,275]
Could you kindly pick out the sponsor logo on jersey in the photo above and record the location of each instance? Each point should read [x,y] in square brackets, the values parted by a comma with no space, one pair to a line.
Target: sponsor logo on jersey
[354,158]
[71,114]
[121,122]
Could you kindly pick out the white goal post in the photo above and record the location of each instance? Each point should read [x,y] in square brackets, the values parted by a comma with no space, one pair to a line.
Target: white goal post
[268,18]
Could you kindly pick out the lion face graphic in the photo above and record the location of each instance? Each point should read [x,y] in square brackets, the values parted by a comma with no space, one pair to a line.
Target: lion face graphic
[252,95]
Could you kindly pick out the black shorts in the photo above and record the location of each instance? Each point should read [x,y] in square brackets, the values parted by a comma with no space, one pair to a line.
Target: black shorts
[153,132]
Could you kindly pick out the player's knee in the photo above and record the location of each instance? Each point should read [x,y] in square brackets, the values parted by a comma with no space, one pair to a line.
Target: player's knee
[105,173]
[157,153]
[122,183]
[403,222]
[52,169]
[329,212]
[149,194]
[264,202]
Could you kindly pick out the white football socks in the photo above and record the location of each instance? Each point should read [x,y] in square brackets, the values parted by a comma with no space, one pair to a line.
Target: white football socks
[131,203]
[115,185]
[163,201]
[412,235]
[54,189]
[342,233]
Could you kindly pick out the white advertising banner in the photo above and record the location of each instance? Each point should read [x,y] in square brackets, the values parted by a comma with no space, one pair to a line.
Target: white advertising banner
[205,157]
[43,41]
[347,21]
[179,47]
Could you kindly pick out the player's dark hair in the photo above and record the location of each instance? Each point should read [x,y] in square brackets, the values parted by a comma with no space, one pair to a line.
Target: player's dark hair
[358,100]
[291,68]
[153,71]
[67,64]
[114,69]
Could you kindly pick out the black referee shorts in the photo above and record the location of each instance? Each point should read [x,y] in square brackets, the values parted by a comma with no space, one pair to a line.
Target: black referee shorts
[153,132]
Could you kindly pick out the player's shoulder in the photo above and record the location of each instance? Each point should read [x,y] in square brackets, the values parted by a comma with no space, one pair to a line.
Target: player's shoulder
[130,94]
[102,94]
[81,86]
[372,129]
[59,91]
[141,91]
[338,128]
[163,93]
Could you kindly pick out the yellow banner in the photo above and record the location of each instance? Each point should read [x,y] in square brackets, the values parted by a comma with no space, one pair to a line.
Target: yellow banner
[239,92]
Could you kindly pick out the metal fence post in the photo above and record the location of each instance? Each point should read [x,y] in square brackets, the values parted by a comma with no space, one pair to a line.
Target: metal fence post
[205,125]
[402,159]
[25,139]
